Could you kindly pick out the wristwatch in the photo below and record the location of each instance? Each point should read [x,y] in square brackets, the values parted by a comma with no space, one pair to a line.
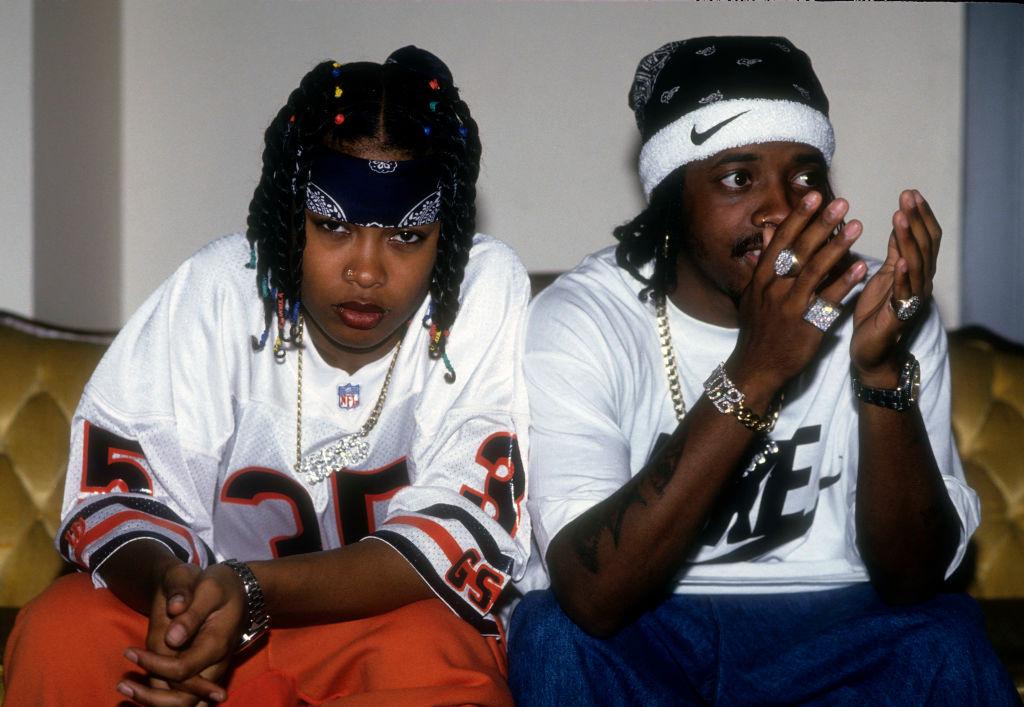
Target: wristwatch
[259,619]
[902,397]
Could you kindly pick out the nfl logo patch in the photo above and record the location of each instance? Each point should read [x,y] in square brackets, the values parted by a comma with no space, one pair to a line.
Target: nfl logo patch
[348,396]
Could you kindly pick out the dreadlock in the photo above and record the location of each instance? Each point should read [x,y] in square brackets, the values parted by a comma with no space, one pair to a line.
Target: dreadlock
[409,103]
[643,239]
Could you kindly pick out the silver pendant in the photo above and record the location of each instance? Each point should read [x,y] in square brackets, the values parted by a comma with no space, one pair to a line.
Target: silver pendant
[348,451]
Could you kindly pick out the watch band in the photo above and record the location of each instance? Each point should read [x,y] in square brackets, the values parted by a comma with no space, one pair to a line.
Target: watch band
[259,619]
[902,397]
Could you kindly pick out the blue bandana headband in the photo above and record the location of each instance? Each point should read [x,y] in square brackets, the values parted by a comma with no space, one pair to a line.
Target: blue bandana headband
[378,193]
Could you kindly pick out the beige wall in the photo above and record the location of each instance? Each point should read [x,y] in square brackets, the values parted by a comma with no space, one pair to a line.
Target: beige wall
[547,83]
[16,259]
[76,148]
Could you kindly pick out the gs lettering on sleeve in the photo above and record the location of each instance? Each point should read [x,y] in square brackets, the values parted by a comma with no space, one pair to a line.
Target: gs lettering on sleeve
[483,581]
[505,485]
[112,463]
[354,496]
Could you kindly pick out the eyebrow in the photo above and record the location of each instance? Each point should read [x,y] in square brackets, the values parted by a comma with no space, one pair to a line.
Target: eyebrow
[810,158]
[803,158]
[742,157]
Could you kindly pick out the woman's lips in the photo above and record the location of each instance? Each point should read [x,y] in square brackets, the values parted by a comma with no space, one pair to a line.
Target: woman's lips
[359,315]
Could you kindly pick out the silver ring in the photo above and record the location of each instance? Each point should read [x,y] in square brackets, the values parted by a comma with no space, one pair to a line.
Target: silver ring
[822,313]
[906,308]
[786,263]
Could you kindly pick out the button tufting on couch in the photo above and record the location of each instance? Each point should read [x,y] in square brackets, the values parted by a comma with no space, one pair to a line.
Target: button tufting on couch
[45,368]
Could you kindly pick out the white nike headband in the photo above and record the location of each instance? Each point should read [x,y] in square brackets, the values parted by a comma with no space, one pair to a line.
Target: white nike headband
[728,124]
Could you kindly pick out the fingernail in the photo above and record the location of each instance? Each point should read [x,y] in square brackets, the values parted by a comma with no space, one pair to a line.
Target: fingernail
[124,689]
[858,271]
[809,201]
[835,209]
[175,634]
[917,197]
[218,696]
[853,230]
[175,598]
[131,655]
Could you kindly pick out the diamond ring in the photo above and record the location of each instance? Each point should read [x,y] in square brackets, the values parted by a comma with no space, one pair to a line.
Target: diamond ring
[906,308]
[822,313]
[787,264]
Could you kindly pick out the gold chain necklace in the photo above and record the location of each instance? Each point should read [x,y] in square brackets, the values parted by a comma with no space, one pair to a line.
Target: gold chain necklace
[769,448]
[668,356]
[351,449]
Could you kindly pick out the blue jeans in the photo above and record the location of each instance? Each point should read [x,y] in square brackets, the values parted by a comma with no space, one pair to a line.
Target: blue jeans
[841,646]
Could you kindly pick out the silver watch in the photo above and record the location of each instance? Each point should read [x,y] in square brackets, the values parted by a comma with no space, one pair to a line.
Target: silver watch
[902,397]
[259,619]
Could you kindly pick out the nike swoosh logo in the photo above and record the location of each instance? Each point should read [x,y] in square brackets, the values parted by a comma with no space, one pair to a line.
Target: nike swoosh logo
[700,138]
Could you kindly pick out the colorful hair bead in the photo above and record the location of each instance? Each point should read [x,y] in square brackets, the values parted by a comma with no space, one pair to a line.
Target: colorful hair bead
[426,130]
[265,287]
[258,344]
[450,375]
[252,256]
[434,84]
[291,119]
[280,310]
[339,119]
[463,130]
[433,106]
[338,92]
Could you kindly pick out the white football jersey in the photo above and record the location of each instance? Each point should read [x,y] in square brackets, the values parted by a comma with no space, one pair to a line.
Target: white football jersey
[600,407]
[186,435]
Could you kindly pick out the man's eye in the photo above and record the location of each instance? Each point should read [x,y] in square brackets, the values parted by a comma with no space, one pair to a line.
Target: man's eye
[407,237]
[735,179]
[809,180]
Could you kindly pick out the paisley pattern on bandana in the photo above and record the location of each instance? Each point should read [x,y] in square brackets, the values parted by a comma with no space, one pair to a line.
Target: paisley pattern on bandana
[426,211]
[711,98]
[320,202]
[647,74]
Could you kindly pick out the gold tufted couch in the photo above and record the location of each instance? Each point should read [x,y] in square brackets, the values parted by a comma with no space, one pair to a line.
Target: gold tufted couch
[45,368]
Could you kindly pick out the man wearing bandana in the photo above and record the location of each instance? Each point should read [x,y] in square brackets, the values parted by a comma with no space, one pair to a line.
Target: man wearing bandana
[744,487]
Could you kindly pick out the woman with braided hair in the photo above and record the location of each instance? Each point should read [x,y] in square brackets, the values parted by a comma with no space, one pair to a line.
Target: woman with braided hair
[298,463]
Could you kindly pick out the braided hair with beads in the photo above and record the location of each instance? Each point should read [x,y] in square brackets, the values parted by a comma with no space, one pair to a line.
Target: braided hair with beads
[408,103]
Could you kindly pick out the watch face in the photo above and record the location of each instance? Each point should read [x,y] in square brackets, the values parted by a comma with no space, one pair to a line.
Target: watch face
[915,381]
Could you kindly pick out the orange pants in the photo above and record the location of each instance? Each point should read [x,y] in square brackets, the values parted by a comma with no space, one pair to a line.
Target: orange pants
[66,649]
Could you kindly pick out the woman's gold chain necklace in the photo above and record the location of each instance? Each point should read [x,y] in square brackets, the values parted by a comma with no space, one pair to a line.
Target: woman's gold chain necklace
[351,449]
